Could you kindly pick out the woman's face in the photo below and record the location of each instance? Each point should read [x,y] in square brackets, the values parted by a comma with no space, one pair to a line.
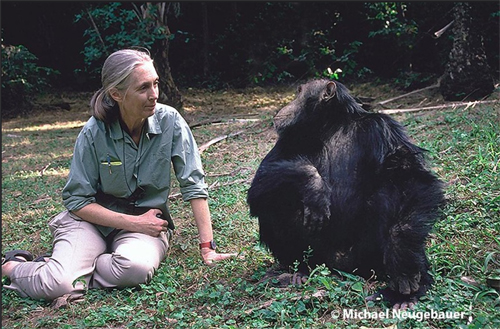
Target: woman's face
[138,101]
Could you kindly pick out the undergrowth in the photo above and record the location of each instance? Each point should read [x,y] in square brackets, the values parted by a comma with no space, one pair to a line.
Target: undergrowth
[464,248]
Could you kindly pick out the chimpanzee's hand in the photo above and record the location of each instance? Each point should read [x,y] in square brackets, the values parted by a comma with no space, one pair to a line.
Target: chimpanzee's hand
[315,218]
[316,202]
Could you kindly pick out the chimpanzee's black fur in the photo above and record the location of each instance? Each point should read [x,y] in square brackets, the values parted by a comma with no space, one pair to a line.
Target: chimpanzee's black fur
[350,186]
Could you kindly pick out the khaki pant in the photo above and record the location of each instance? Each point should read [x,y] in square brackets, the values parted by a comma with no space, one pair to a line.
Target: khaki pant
[83,258]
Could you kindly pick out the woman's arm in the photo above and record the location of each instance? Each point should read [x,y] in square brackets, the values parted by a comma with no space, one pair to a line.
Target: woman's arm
[146,223]
[204,223]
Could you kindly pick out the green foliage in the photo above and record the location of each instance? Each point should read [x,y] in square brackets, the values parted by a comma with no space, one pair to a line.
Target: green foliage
[112,27]
[390,24]
[268,43]
[254,51]
[389,19]
[22,79]
[319,56]
[393,29]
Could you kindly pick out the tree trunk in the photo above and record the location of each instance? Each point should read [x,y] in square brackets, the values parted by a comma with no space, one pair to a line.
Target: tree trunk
[467,75]
[169,93]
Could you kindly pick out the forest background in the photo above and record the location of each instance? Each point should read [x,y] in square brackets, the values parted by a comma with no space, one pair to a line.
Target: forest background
[220,45]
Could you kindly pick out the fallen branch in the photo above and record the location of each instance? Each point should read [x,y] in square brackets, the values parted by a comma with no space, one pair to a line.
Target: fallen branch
[457,104]
[204,123]
[232,173]
[221,121]
[408,94]
[42,199]
[439,33]
[237,120]
[42,171]
[217,140]
[318,294]
[265,305]
[214,186]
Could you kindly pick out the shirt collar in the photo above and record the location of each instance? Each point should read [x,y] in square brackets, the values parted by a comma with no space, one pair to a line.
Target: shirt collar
[152,128]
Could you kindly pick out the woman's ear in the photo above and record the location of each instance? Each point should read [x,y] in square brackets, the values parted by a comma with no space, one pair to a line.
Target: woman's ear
[116,95]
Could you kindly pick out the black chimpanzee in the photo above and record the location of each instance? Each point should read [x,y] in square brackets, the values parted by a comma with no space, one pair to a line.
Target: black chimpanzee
[349,186]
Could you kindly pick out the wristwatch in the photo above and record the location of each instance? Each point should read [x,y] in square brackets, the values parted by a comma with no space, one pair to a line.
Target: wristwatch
[209,244]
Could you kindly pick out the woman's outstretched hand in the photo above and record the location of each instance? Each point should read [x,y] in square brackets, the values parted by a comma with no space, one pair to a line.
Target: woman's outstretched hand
[210,256]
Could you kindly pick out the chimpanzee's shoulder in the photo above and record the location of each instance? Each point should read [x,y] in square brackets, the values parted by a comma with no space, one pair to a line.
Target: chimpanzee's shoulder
[378,120]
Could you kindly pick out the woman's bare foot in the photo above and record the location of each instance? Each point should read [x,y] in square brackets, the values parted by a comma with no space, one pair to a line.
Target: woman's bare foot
[9,266]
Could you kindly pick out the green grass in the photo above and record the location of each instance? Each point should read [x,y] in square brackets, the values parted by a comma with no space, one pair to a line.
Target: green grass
[464,150]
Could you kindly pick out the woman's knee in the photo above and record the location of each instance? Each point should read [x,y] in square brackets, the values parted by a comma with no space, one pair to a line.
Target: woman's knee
[136,257]
[135,270]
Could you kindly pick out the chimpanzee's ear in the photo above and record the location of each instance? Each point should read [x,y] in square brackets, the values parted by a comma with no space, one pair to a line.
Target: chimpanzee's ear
[330,91]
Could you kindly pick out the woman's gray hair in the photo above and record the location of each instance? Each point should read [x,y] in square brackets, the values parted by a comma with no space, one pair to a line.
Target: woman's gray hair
[115,71]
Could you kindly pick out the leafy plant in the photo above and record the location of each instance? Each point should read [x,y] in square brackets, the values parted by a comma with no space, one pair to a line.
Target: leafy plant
[113,27]
[22,79]
[390,19]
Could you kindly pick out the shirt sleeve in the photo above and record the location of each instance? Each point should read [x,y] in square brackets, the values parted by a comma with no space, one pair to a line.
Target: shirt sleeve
[187,162]
[81,186]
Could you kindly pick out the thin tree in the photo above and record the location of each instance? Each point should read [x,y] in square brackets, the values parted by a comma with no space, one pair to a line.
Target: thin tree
[157,14]
[467,74]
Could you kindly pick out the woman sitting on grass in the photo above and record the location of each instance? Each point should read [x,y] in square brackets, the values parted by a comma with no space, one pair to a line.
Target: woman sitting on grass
[116,229]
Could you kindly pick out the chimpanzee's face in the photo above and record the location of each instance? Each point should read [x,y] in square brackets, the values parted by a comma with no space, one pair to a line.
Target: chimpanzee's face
[304,107]
[288,114]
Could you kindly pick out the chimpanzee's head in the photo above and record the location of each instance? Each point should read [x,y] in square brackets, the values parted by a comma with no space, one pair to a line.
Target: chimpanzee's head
[316,101]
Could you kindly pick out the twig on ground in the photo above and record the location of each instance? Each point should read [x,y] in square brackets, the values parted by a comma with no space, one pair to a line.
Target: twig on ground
[204,123]
[213,186]
[456,104]
[236,120]
[232,173]
[318,294]
[42,171]
[408,94]
[224,120]
[217,140]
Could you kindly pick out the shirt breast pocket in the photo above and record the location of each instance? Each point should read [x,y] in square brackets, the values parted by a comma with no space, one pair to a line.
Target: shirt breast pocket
[113,179]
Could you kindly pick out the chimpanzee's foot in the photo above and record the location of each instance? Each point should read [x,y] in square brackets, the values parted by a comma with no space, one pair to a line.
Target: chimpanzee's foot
[406,284]
[396,299]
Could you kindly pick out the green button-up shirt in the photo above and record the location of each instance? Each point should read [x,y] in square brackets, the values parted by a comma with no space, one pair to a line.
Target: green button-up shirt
[106,160]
